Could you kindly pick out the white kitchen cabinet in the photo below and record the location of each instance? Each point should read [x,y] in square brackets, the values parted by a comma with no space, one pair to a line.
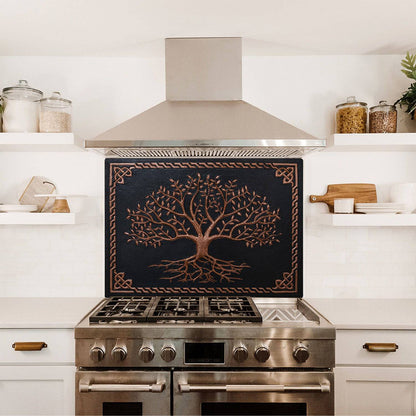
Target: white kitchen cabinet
[375,391]
[37,390]
[375,383]
[37,382]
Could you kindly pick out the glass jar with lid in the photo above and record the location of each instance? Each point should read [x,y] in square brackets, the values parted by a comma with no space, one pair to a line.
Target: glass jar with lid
[21,108]
[55,114]
[351,116]
[383,118]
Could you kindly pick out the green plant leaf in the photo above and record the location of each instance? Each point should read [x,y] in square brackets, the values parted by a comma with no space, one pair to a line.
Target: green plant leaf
[408,63]
[407,73]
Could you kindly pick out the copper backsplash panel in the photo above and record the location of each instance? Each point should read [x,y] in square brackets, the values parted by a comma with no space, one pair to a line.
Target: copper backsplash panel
[201,227]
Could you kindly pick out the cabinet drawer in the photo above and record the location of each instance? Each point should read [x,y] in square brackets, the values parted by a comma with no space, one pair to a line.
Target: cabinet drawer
[60,346]
[349,347]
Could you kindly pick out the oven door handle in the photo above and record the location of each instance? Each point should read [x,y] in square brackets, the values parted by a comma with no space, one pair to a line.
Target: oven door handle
[234,388]
[151,388]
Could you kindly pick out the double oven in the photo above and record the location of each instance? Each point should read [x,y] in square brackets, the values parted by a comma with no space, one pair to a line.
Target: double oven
[204,393]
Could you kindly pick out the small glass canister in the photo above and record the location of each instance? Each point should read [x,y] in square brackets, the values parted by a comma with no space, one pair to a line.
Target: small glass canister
[351,117]
[21,108]
[383,118]
[55,114]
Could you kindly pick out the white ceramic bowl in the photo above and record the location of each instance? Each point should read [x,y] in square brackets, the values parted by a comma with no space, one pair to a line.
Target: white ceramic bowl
[404,193]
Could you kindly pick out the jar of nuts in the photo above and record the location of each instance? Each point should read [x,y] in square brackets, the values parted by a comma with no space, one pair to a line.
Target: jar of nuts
[55,114]
[383,118]
[351,117]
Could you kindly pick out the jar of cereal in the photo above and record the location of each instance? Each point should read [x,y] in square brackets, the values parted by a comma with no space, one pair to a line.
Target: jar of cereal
[383,118]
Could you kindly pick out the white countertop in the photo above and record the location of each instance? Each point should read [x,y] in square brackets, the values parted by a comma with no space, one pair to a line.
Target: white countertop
[44,312]
[343,313]
[368,313]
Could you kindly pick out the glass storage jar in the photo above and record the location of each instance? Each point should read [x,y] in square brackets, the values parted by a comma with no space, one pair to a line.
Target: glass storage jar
[21,108]
[55,114]
[383,118]
[351,117]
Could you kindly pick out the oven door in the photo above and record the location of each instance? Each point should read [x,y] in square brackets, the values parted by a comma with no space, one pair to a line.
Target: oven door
[253,393]
[122,393]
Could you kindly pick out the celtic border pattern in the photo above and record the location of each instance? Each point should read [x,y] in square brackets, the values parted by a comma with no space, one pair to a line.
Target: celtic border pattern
[119,284]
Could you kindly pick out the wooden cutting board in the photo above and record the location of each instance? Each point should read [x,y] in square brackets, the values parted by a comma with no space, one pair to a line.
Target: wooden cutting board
[361,192]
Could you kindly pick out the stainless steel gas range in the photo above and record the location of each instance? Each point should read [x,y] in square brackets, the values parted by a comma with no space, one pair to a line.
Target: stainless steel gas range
[208,355]
[187,241]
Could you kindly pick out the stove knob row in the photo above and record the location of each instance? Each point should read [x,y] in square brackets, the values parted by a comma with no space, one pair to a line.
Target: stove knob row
[262,353]
[119,353]
[301,353]
[97,353]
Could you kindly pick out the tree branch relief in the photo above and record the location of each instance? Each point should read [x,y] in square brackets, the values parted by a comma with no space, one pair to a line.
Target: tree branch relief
[203,209]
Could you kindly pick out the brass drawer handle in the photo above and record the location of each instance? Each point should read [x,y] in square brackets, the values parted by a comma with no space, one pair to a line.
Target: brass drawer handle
[380,347]
[29,346]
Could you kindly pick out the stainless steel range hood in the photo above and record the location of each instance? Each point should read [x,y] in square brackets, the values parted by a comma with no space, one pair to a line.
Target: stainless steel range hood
[204,114]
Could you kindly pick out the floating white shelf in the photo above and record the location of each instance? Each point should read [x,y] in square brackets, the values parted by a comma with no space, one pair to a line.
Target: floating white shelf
[372,142]
[35,218]
[38,142]
[367,220]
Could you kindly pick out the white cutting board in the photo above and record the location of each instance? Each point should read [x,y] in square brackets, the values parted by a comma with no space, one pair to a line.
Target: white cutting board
[38,185]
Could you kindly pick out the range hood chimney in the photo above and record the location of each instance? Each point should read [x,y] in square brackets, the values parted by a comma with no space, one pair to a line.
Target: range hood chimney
[204,114]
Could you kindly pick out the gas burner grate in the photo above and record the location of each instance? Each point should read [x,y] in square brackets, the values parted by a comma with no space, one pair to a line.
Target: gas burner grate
[172,309]
[123,309]
[231,308]
[177,308]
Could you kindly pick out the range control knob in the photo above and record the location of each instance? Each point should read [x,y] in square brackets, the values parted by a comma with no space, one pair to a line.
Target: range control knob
[262,353]
[146,354]
[300,353]
[97,353]
[240,353]
[119,353]
[168,353]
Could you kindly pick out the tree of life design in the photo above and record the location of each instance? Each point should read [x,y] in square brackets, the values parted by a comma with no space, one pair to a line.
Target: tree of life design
[203,209]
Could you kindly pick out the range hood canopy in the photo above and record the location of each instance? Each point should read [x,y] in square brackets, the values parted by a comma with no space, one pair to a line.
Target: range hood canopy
[204,114]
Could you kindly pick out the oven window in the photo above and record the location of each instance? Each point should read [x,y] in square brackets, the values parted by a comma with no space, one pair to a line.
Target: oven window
[253,409]
[122,409]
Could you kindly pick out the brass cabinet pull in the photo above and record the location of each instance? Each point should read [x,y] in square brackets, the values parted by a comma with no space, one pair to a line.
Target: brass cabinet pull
[380,347]
[29,346]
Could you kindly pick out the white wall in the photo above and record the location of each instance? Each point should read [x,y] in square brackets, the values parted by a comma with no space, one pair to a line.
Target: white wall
[68,260]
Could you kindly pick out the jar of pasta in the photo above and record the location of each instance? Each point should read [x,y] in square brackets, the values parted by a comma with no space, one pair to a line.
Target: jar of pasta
[351,117]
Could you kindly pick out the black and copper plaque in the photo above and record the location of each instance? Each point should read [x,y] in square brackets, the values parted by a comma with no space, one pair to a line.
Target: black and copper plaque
[204,227]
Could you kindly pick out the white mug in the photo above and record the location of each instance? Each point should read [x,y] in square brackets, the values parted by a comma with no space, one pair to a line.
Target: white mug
[344,205]
[404,193]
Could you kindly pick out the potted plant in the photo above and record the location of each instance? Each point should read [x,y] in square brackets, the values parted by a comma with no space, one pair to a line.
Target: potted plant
[408,99]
